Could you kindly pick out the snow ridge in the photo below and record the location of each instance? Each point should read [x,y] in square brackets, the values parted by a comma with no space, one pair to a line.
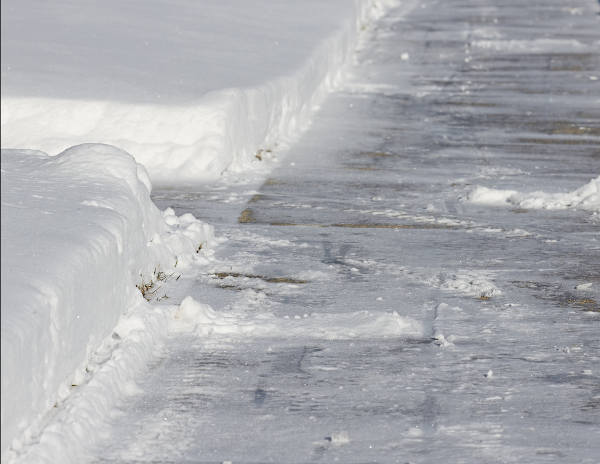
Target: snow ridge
[79,232]
[200,139]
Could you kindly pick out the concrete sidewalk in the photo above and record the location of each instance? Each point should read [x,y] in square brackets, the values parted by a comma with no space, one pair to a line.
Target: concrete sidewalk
[372,213]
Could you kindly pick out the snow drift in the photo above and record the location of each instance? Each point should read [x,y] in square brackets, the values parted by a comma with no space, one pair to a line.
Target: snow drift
[79,231]
[189,91]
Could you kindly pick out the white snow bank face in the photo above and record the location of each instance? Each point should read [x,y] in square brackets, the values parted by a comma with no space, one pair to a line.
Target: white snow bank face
[79,231]
[190,91]
[109,376]
[586,197]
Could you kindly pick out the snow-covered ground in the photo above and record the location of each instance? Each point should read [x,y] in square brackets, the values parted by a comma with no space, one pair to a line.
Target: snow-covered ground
[417,282]
[190,90]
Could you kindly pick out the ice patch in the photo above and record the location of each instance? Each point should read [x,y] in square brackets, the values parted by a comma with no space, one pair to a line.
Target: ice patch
[441,340]
[340,438]
[420,219]
[530,46]
[313,276]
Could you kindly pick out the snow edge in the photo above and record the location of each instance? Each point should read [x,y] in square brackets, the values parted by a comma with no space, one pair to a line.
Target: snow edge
[223,131]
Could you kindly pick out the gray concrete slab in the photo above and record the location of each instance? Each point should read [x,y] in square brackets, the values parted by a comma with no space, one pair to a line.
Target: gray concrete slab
[369,215]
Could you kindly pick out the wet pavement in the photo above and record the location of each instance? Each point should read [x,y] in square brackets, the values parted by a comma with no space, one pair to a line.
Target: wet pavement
[381,315]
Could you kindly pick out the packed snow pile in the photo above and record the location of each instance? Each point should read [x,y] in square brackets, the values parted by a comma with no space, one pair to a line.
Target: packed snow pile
[79,232]
[190,91]
[586,197]
[200,318]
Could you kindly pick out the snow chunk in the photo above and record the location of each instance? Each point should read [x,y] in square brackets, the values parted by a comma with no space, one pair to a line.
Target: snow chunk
[190,314]
[473,283]
[586,197]
[488,196]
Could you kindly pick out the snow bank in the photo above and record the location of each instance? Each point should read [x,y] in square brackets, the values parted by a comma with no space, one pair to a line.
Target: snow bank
[79,231]
[109,376]
[586,197]
[190,91]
